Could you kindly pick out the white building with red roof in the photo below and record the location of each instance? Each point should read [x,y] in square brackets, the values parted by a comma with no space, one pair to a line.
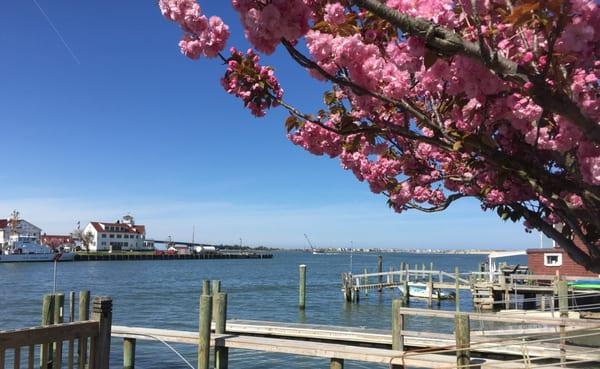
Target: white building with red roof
[120,235]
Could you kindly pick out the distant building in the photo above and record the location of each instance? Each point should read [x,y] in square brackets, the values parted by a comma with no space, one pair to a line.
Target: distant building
[24,229]
[121,235]
[57,242]
[180,249]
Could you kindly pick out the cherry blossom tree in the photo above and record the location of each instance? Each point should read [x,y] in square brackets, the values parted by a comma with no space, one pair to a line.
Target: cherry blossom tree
[430,101]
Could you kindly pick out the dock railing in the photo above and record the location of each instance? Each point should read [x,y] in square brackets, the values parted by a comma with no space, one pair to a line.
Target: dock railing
[46,343]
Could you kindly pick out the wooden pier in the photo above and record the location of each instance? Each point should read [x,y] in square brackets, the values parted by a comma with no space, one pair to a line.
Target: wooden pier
[537,343]
[489,290]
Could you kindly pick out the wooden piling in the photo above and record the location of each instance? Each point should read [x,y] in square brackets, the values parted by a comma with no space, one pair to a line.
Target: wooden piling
[83,313]
[430,284]
[380,270]
[402,271]
[129,353]
[102,313]
[206,301]
[366,281]
[47,317]
[336,363]
[463,340]
[215,286]
[206,287]
[302,288]
[457,297]
[397,328]
[59,308]
[562,288]
[220,309]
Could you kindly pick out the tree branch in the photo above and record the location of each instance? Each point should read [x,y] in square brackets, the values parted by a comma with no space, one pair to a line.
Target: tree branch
[448,42]
[567,244]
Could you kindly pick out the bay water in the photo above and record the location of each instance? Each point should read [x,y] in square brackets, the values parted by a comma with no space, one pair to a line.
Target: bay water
[165,294]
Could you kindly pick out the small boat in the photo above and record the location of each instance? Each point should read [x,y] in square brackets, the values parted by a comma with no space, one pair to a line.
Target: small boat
[423,292]
[582,284]
[22,251]
[28,251]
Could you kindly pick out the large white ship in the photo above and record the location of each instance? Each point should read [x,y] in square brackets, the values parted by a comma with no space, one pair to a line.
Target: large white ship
[23,247]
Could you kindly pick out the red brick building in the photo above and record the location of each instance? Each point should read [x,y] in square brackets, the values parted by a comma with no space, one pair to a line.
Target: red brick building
[56,241]
[548,261]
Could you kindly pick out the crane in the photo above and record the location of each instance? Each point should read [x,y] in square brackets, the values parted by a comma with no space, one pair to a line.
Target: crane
[312,248]
[309,243]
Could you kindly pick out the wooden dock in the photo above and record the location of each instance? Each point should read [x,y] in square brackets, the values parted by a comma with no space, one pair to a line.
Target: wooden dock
[531,342]
[488,290]
[201,256]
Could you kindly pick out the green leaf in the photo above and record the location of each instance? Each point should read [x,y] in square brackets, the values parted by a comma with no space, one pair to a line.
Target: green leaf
[291,123]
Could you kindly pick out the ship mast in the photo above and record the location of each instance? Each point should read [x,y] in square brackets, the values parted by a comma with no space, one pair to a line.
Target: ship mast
[14,225]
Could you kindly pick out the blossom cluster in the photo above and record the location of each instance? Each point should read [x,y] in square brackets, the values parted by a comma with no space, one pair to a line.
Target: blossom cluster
[202,35]
[267,22]
[256,85]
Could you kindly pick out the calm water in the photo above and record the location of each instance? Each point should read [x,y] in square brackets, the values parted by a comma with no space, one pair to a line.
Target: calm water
[164,294]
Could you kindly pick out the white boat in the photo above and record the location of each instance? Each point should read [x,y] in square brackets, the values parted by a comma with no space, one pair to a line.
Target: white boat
[423,292]
[30,251]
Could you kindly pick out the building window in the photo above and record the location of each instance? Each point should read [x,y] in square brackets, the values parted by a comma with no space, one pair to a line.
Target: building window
[103,235]
[112,236]
[118,236]
[103,243]
[553,260]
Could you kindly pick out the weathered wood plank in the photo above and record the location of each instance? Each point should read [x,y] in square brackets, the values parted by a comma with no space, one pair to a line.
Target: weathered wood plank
[47,334]
[349,338]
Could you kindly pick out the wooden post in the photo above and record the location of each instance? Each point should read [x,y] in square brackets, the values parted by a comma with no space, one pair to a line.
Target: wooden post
[220,310]
[59,308]
[214,289]
[406,296]
[457,300]
[72,306]
[423,271]
[47,316]
[102,313]
[216,286]
[563,307]
[206,301]
[128,353]
[380,270]
[366,282]
[397,326]
[302,288]
[401,272]
[83,314]
[336,363]
[463,340]
[430,284]
[206,287]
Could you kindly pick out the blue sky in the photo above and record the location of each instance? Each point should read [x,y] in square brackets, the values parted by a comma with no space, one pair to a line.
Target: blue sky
[117,121]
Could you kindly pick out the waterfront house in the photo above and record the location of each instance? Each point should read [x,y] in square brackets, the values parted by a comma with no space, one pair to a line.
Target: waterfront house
[547,261]
[115,236]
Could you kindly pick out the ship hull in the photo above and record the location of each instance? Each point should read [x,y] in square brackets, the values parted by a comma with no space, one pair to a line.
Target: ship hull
[29,258]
